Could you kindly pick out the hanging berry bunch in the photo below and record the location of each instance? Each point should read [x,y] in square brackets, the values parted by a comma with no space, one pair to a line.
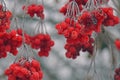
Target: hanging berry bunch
[24,67]
[78,27]
[76,40]
[94,16]
[29,70]
[9,40]
[74,32]
[5,16]
[34,9]
[42,40]
[110,19]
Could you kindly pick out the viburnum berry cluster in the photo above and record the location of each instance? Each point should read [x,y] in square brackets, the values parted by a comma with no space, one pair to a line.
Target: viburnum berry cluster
[9,40]
[24,70]
[76,39]
[94,20]
[110,19]
[35,9]
[41,40]
[117,74]
[43,43]
[5,16]
[78,27]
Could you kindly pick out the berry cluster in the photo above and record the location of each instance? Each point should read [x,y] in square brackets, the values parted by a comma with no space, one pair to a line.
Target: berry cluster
[110,19]
[9,42]
[42,42]
[4,19]
[76,39]
[78,28]
[35,9]
[73,47]
[94,20]
[117,44]
[117,74]
[24,70]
